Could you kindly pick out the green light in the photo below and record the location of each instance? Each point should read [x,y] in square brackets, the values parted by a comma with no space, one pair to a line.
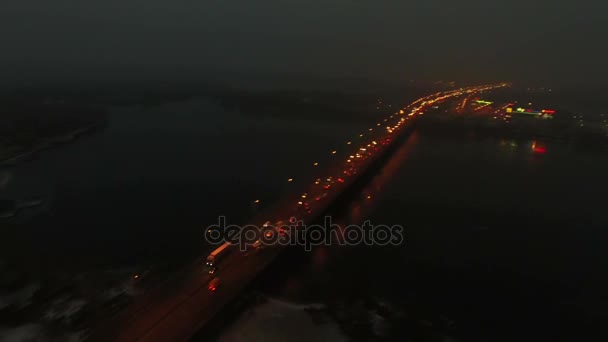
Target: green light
[528,113]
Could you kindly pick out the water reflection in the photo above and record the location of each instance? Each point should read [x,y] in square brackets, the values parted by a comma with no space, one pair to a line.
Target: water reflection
[372,193]
[538,148]
[514,148]
[304,275]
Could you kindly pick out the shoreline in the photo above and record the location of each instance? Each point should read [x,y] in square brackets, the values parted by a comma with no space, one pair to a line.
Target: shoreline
[47,144]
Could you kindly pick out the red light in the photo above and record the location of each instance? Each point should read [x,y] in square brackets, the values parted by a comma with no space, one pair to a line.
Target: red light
[540,149]
[340,180]
[548,111]
[318,199]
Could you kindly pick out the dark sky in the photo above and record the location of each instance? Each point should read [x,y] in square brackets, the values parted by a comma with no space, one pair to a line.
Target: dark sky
[471,40]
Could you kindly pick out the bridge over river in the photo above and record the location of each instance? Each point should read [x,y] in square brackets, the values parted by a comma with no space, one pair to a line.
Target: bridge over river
[179,307]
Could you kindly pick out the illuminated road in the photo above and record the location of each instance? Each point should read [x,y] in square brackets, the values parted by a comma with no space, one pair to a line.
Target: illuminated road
[178,308]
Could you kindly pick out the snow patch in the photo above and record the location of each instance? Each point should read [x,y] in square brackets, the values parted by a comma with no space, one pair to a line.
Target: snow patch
[63,309]
[294,306]
[113,292]
[19,299]
[32,332]
[5,178]
[24,333]
[277,320]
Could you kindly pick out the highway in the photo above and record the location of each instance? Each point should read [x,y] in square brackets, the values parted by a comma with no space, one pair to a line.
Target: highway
[176,309]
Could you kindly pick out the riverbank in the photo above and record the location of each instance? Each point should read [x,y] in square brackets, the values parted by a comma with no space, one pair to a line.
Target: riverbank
[12,155]
[31,124]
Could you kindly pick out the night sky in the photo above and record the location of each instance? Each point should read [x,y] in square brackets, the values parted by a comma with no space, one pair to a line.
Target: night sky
[557,42]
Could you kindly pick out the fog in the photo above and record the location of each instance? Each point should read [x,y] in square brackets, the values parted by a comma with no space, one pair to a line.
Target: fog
[554,42]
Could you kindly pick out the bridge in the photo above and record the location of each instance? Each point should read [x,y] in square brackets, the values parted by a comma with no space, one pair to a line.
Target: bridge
[182,305]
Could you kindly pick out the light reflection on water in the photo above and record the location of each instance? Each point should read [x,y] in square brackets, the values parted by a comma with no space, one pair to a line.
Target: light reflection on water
[489,223]
[362,206]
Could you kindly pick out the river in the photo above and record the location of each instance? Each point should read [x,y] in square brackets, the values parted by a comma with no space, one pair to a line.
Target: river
[504,241]
[144,188]
[503,237]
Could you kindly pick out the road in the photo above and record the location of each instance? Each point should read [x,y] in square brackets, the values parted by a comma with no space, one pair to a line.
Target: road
[176,309]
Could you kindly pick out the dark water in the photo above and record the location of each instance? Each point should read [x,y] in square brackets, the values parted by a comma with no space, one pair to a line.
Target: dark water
[144,188]
[506,241]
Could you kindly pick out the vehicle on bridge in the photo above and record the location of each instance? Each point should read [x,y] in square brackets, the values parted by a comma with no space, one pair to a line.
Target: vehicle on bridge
[257,244]
[280,227]
[214,284]
[218,254]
